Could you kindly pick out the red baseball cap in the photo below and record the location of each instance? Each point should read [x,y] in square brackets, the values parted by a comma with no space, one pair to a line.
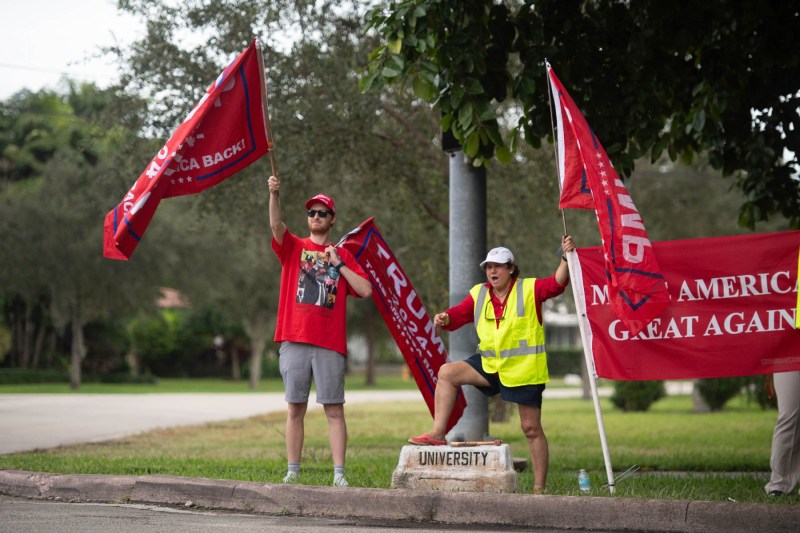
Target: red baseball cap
[324,199]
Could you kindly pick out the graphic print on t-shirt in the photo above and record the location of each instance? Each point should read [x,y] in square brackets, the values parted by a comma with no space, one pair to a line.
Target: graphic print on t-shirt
[316,284]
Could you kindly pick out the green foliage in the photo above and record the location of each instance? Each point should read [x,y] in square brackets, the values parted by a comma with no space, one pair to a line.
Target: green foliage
[107,342]
[52,267]
[717,391]
[564,361]
[154,337]
[725,84]
[182,342]
[637,395]
[15,376]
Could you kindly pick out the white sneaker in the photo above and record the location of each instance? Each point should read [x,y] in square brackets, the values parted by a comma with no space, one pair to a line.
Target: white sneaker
[340,482]
[292,477]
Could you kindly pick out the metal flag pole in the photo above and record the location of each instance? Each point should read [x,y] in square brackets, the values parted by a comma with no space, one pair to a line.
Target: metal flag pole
[265,104]
[555,145]
[573,262]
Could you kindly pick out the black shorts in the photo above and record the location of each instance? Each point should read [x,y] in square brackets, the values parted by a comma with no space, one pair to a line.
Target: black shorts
[530,395]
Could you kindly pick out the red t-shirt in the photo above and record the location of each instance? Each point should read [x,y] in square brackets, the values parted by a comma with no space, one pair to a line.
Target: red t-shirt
[464,312]
[312,307]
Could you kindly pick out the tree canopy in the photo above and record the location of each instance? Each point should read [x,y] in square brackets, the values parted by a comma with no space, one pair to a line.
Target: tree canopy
[719,78]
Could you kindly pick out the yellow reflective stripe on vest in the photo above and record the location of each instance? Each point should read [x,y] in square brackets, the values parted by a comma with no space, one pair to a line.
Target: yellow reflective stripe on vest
[523,349]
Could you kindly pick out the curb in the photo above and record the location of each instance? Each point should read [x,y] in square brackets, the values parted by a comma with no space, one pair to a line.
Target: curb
[466,508]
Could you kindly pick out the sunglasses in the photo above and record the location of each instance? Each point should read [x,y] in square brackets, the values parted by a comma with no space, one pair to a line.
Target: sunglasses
[486,312]
[321,212]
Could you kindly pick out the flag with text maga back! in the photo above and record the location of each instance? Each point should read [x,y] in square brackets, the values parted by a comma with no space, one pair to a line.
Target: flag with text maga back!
[403,312]
[636,287]
[224,133]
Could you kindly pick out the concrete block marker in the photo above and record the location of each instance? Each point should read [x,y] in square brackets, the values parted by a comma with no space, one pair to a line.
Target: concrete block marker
[487,468]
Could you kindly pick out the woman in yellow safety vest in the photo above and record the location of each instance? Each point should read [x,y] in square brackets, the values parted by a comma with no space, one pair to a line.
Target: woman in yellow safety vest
[511,358]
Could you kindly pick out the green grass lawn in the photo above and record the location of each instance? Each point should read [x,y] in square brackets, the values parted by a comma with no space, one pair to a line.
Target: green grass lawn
[681,455]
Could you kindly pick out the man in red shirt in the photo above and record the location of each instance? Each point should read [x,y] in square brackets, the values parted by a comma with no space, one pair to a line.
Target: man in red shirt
[316,279]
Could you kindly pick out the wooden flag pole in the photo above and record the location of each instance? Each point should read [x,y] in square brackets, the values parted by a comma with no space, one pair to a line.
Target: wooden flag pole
[265,104]
[583,322]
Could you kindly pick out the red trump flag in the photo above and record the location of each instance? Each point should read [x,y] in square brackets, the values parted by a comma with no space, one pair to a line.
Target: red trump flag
[224,133]
[402,311]
[636,287]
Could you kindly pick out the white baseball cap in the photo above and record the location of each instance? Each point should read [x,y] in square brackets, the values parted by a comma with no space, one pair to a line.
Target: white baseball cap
[500,255]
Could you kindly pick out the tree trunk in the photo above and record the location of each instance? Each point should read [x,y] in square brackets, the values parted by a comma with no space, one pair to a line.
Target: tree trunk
[699,405]
[37,346]
[255,361]
[51,349]
[27,341]
[77,353]
[236,365]
[258,328]
[132,359]
[16,339]
[369,378]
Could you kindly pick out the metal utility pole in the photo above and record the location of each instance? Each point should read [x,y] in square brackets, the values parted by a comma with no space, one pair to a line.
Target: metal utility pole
[467,249]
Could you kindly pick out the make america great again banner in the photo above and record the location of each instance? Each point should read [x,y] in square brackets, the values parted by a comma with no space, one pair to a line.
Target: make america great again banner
[732,311]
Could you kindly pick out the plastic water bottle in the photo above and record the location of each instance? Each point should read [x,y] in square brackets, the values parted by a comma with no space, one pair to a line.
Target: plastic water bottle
[583,482]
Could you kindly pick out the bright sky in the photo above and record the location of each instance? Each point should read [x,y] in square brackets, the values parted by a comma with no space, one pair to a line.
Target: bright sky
[43,40]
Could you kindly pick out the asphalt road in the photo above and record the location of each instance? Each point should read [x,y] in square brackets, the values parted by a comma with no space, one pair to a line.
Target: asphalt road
[35,421]
[25,516]
[32,421]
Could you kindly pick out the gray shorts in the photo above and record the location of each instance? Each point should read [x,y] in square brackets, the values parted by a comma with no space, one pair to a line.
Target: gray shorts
[299,362]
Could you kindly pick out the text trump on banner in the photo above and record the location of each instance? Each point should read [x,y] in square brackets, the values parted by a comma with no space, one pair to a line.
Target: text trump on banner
[402,311]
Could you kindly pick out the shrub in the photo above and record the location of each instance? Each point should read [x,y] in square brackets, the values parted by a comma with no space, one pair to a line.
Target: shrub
[563,361]
[637,395]
[717,391]
[16,376]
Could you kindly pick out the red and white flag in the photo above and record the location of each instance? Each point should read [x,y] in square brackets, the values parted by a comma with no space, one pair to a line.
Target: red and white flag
[733,311]
[224,133]
[402,311]
[636,287]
